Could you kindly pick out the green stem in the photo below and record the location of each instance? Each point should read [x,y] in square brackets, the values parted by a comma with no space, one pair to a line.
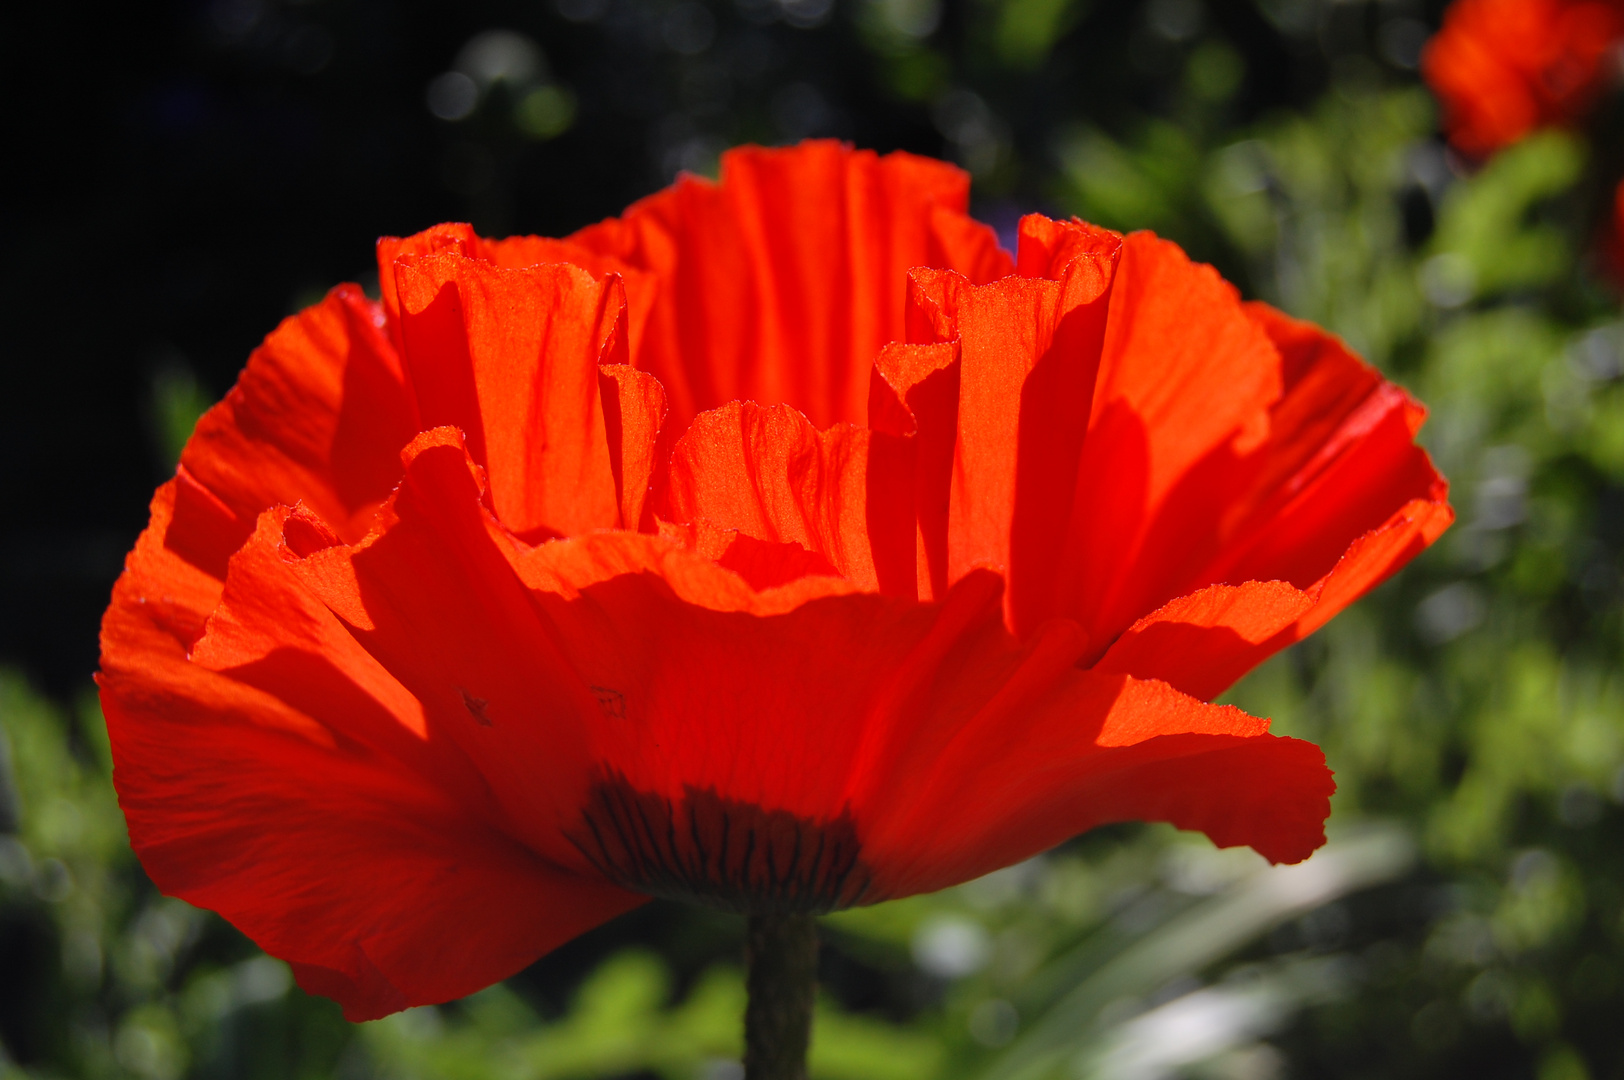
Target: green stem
[781,955]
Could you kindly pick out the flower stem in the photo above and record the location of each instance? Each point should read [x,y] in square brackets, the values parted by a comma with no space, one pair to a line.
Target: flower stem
[781,955]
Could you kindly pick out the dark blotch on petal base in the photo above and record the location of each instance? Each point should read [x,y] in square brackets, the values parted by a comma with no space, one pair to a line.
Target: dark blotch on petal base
[709,850]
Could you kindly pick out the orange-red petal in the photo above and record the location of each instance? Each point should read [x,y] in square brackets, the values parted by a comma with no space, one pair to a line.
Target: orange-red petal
[318,416]
[1335,499]
[512,253]
[433,598]
[1227,445]
[913,407]
[564,617]
[1029,355]
[1050,757]
[805,698]
[782,282]
[768,474]
[1185,382]
[1201,643]
[510,357]
[291,792]
[1501,68]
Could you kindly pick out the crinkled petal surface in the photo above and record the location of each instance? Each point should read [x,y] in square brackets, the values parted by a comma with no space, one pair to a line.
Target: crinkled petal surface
[299,793]
[319,415]
[1241,478]
[443,707]
[780,283]
[782,544]
[1227,444]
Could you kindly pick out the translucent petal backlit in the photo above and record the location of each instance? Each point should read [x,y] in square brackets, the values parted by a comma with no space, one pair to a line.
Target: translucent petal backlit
[783,544]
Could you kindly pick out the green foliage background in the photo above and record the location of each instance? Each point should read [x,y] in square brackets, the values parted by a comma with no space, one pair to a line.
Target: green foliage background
[1466,918]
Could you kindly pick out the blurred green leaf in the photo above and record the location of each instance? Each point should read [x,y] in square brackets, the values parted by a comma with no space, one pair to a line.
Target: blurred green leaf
[1189,940]
[1027,29]
[1484,222]
[177,403]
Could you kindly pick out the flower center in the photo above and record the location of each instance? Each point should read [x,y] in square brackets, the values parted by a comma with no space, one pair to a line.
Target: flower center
[725,854]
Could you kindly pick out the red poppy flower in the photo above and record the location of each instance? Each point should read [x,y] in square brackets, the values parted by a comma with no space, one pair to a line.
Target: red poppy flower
[714,553]
[1502,68]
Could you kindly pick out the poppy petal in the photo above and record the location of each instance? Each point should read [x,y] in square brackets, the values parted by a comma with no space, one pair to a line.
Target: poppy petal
[930,700]
[271,632]
[783,698]
[1345,499]
[634,411]
[1051,760]
[767,704]
[175,587]
[1227,443]
[1183,376]
[763,564]
[199,528]
[913,408]
[1047,248]
[1500,68]
[768,474]
[1203,642]
[1340,461]
[782,282]
[381,889]
[1372,559]
[511,358]
[511,253]
[433,597]
[318,416]
[1029,350]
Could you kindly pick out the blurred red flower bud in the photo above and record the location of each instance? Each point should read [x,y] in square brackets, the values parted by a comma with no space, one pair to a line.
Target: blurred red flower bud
[1613,249]
[1502,68]
[781,545]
